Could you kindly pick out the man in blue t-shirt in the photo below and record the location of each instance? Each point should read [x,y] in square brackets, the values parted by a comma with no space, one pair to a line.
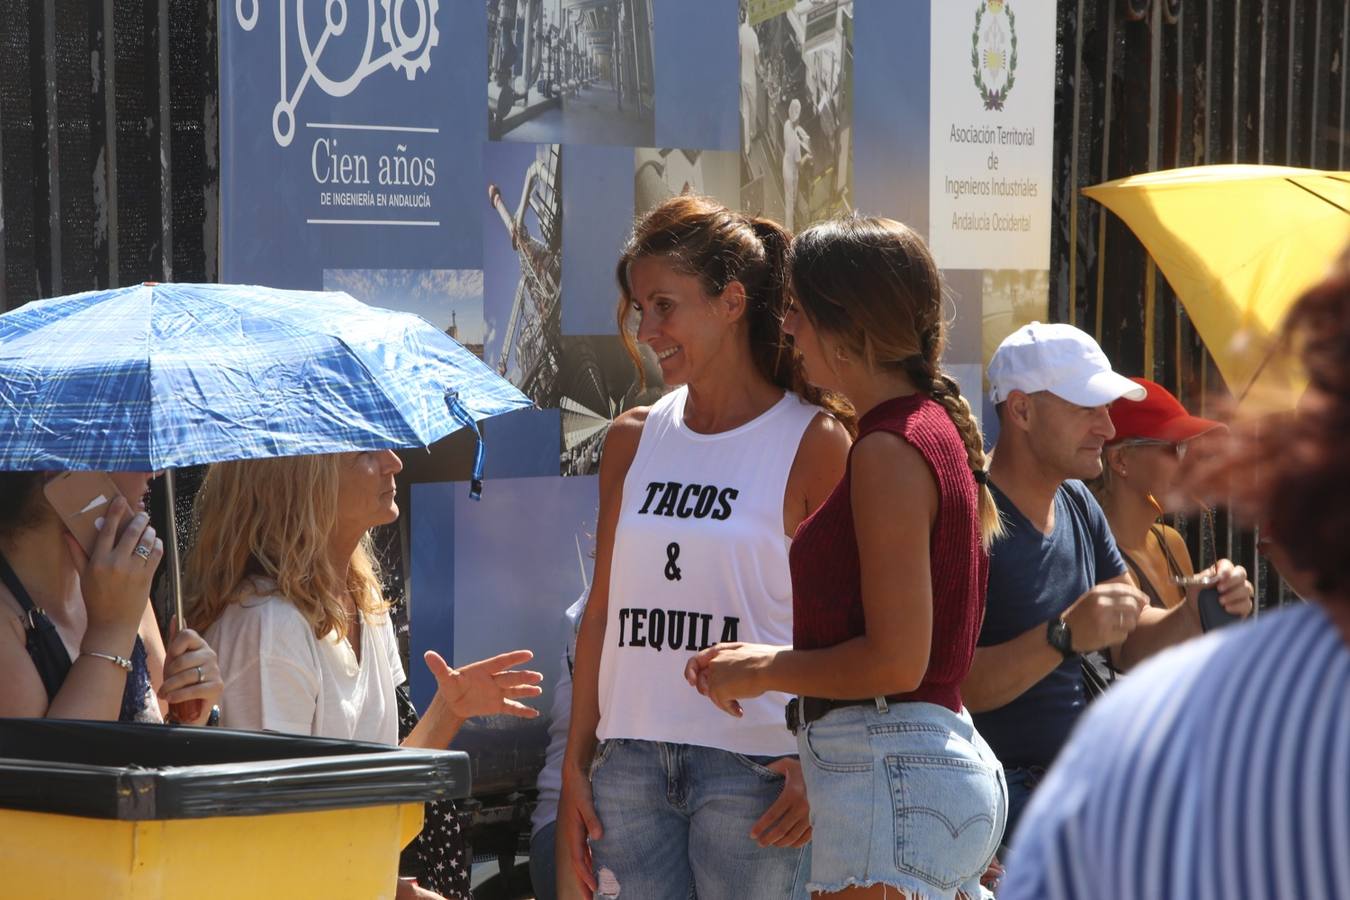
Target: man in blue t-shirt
[1057,584]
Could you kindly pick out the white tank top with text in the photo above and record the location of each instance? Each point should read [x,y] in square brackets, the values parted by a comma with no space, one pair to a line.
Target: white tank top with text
[699,557]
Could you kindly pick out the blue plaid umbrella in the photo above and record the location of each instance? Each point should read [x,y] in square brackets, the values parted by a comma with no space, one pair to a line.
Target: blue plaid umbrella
[161,376]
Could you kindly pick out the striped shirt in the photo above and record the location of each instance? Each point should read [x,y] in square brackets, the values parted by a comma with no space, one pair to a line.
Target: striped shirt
[1221,769]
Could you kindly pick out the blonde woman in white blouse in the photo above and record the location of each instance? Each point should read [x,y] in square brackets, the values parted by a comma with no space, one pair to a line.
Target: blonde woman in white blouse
[284,582]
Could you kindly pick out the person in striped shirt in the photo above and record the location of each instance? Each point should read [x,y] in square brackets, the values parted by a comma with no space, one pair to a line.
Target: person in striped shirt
[1221,768]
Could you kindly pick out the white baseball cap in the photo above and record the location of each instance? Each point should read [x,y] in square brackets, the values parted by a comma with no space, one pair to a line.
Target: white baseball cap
[1060,359]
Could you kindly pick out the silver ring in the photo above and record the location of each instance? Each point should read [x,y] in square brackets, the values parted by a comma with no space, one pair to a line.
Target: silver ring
[200,675]
[142,551]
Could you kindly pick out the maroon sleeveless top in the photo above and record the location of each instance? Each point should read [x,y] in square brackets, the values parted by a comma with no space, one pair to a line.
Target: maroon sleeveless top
[826,581]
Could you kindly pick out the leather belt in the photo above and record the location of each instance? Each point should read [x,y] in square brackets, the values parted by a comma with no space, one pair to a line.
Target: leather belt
[802,711]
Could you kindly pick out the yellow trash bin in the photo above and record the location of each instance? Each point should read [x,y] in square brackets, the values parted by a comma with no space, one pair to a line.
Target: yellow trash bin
[92,809]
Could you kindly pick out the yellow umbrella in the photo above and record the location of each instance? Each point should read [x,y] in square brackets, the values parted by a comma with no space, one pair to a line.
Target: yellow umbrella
[1238,244]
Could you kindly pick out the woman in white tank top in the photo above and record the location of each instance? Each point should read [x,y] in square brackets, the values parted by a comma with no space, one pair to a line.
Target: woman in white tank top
[663,796]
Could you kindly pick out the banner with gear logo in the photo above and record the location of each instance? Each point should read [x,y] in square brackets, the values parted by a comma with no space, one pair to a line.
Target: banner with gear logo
[342,142]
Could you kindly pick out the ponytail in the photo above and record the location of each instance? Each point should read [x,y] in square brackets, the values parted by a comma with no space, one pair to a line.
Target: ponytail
[766,303]
[772,353]
[776,242]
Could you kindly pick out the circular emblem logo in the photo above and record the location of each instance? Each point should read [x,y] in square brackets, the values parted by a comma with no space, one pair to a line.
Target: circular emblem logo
[993,51]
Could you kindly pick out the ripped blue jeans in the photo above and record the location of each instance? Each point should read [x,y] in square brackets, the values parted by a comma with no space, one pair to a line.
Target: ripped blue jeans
[677,821]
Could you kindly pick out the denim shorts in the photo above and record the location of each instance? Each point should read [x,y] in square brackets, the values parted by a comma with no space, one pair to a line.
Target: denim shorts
[910,797]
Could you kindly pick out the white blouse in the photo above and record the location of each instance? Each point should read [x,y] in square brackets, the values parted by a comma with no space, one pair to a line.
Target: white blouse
[280,677]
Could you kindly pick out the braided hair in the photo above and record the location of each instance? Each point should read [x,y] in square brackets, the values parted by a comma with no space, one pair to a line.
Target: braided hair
[873,284]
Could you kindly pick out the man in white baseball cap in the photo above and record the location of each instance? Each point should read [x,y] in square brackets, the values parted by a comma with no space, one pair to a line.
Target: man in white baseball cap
[1058,587]
[1060,359]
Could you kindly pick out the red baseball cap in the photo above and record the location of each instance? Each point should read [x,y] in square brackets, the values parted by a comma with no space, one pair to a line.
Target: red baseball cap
[1158,417]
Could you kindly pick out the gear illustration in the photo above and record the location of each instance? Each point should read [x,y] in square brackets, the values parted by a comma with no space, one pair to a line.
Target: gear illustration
[421,62]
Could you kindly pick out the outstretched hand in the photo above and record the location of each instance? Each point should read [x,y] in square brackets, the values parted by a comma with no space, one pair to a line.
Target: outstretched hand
[489,687]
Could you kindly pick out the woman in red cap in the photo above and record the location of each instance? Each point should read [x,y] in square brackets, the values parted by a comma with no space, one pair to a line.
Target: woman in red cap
[1139,465]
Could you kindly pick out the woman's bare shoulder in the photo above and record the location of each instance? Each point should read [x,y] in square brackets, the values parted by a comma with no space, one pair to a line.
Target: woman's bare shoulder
[627,426]
[621,441]
[822,452]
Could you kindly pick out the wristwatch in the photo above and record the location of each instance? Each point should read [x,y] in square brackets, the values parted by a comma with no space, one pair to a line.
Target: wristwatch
[1058,635]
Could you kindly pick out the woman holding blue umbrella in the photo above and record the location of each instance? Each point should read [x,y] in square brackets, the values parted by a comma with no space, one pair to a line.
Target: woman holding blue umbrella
[80,639]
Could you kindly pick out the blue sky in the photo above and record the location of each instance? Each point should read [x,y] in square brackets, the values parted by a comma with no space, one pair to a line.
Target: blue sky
[432,294]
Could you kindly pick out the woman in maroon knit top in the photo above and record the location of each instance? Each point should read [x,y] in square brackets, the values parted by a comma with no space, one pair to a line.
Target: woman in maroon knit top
[888,581]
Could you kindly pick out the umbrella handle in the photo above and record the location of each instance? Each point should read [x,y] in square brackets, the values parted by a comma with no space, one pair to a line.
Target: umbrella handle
[171,546]
[464,418]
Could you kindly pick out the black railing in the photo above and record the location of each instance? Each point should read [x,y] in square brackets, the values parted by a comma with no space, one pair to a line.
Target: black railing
[1156,84]
[108,144]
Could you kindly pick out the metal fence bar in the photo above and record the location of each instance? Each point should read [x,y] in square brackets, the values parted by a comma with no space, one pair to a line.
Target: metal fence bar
[1341,58]
[1108,80]
[1073,199]
[103,134]
[4,235]
[158,47]
[47,156]
[102,100]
